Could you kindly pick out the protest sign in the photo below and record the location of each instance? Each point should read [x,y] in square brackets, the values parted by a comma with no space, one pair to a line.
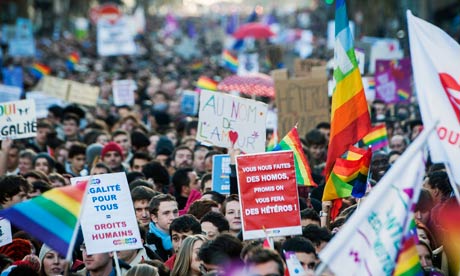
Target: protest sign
[248,64]
[189,103]
[303,101]
[42,102]
[360,55]
[55,87]
[18,120]
[225,120]
[22,45]
[82,93]
[108,221]
[384,48]
[115,38]
[309,67]
[6,236]
[268,194]
[9,93]
[393,80]
[13,76]
[123,92]
[221,173]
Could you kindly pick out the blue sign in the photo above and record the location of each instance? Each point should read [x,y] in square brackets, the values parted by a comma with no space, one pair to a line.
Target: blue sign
[221,173]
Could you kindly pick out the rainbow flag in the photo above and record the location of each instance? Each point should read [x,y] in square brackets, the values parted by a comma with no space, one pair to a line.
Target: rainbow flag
[403,95]
[273,142]
[72,59]
[449,221]
[206,83]
[51,217]
[196,66]
[349,176]
[302,169]
[377,138]
[350,120]
[408,261]
[39,70]
[230,61]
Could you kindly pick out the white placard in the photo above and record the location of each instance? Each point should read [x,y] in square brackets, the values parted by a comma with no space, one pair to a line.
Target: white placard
[115,39]
[123,92]
[42,102]
[108,220]
[225,119]
[385,49]
[6,236]
[9,93]
[248,64]
[18,120]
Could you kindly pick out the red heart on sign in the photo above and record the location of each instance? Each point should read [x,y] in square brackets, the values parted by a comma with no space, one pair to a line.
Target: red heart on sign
[452,89]
[233,135]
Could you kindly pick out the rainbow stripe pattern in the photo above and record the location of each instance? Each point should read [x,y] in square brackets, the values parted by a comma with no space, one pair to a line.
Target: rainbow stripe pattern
[408,261]
[72,60]
[206,83]
[377,138]
[51,217]
[302,169]
[196,66]
[403,95]
[39,70]
[350,120]
[230,61]
[273,142]
[349,176]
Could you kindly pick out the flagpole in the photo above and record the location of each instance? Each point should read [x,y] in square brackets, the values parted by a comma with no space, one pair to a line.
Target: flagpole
[117,263]
[452,182]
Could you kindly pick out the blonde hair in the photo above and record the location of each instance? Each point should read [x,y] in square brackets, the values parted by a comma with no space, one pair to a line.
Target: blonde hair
[185,255]
[142,270]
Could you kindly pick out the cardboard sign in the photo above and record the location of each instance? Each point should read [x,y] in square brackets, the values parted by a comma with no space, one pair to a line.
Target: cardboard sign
[123,92]
[114,39]
[42,102]
[221,173]
[56,87]
[9,93]
[189,103]
[309,67]
[108,221]
[82,93]
[18,120]
[302,100]
[225,120]
[6,236]
[393,79]
[268,195]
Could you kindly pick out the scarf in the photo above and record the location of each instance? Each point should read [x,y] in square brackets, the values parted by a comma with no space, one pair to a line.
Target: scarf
[165,238]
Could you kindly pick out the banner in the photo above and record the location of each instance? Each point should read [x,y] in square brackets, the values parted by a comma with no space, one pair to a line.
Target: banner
[393,80]
[189,103]
[18,120]
[42,102]
[56,87]
[23,44]
[108,221]
[9,93]
[303,101]
[123,92]
[268,195]
[225,120]
[221,173]
[116,38]
[437,81]
[82,93]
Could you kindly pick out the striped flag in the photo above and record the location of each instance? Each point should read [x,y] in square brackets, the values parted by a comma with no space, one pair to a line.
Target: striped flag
[408,262]
[273,142]
[72,60]
[350,120]
[206,83]
[377,138]
[349,176]
[302,169]
[51,217]
[230,61]
[39,70]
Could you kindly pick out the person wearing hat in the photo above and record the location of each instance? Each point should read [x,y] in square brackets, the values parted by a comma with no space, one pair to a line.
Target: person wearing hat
[112,156]
[52,263]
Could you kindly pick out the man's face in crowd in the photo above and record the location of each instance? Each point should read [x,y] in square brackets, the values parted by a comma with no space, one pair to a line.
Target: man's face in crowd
[178,237]
[183,158]
[70,128]
[17,198]
[13,159]
[307,260]
[210,230]
[112,159]
[267,268]
[125,143]
[42,132]
[78,162]
[198,161]
[142,212]
[25,165]
[138,164]
[96,262]
[194,181]
[167,212]
[316,151]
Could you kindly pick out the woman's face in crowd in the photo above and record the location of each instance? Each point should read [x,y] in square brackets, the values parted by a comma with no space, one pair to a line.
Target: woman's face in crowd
[232,213]
[53,264]
[195,264]
[41,164]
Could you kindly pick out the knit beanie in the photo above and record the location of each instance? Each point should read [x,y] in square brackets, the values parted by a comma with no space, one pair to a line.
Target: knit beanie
[93,151]
[17,250]
[112,146]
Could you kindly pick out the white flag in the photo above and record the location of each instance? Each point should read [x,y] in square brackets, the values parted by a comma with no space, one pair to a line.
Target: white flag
[436,66]
[293,264]
[369,242]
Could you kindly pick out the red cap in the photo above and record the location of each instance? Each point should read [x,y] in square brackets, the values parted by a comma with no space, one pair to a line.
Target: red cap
[111,146]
